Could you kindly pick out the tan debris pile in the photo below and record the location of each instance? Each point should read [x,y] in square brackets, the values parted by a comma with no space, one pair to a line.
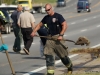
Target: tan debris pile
[82,41]
[85,50]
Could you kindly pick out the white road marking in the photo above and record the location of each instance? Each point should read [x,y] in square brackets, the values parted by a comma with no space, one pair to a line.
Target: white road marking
[73,23]
[44,67]
[83,30]
[94,17]
[85,19]
[95,46]
[98,25]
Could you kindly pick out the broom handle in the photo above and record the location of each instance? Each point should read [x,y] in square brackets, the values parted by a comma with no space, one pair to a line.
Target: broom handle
[13,72]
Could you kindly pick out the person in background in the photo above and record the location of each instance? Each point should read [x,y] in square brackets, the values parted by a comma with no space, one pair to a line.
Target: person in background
[16,29]
[26,23]
[57,27]
[42,32]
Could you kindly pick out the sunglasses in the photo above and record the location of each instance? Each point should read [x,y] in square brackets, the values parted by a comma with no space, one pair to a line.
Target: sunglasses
[48,9]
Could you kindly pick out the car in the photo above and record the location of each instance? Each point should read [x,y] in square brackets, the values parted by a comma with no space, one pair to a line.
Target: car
[43,10]
[7,10]
[61,3]
[5,22]
[83,5]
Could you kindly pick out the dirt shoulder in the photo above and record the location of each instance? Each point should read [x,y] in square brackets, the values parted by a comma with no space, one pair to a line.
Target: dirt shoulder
[83,64]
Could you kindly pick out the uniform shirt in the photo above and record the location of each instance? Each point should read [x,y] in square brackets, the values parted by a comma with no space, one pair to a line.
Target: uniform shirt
[26,19]
[15,16]
[52,23]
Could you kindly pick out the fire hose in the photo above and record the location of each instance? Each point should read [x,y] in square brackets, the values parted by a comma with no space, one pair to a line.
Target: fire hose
[81,40]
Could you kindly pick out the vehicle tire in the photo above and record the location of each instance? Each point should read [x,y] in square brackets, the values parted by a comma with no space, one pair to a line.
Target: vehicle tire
[7,29]
[78,11]
[89,10]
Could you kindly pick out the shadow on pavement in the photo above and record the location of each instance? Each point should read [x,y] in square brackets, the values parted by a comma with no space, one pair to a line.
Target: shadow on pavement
[33,58]
[17,72]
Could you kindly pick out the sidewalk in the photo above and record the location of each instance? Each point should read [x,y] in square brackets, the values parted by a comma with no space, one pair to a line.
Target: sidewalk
[81,64]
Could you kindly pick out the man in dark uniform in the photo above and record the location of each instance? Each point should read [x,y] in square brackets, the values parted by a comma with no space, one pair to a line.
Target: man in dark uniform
[57,27]
[16,29]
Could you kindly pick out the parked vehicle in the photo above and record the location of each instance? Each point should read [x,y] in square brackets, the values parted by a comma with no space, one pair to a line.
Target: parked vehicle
[5,22]
[34,9]
[39,9]
[61,3]
[43,10]
[25,3]
[83,5]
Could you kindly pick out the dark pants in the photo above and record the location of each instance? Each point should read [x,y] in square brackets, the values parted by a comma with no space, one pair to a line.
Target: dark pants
[18,38]
[27,38]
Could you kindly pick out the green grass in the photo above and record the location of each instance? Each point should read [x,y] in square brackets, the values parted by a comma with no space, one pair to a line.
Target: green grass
[44,1]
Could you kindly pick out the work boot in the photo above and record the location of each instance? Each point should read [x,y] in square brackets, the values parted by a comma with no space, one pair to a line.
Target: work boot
[15,50]
[70,70]
[68,73]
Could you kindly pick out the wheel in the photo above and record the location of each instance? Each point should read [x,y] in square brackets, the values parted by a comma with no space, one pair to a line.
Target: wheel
[78,11]
[88,10]
[7,29]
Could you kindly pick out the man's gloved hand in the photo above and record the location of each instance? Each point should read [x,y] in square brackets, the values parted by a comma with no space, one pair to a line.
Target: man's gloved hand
[3,47]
